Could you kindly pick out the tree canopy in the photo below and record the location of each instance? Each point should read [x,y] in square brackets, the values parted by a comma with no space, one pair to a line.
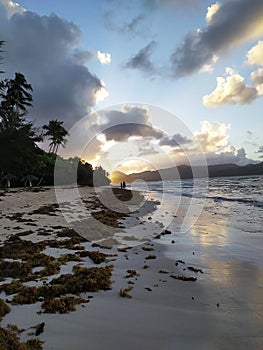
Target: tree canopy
[20,154]
[56,133]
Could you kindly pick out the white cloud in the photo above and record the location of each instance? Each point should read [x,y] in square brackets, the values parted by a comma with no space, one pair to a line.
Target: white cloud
[255,54]
[213,137]
[12,7]
[230,90]
[103,57]
[210,67]
[257,79]
[211,11]
[102,93]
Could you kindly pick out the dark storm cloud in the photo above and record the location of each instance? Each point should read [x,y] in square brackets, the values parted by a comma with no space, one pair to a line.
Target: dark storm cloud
[45,50]
[123,132]
[135,121]
[141,60]
[174,141]
[236,21]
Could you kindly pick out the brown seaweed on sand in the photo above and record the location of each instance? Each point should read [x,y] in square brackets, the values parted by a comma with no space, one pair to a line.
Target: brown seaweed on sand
[183,278]
[149,257]
[132,273]
[124,292]
[191,268]
[9,339]
[4,308]
[61,305]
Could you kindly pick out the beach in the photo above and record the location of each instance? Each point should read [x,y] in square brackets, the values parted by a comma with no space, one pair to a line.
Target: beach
[164,289]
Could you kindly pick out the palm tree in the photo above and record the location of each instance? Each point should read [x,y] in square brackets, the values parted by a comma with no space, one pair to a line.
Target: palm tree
[56,134]
[16,97]
[1,51]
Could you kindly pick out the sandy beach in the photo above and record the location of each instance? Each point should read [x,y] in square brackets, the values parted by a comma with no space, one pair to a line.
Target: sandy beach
[198,290]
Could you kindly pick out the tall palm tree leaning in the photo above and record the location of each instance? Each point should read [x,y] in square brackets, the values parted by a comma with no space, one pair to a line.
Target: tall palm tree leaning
[16,98]
[56,133]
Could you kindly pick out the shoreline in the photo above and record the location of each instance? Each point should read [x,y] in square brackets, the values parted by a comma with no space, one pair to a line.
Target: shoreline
[164,312]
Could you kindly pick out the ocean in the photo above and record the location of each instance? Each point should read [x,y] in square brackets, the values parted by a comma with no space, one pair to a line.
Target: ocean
[220,212]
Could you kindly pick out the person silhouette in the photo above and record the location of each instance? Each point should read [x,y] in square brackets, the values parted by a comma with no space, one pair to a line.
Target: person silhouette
[124,184]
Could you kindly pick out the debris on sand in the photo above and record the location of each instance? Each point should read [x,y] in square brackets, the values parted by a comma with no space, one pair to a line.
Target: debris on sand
[124,293]
[191,268]
[183,278]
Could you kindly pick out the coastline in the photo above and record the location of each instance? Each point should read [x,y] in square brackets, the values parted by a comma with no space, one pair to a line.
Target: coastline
[222,309]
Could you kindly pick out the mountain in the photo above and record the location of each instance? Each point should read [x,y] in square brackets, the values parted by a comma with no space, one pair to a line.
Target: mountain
[118,176]
[187,172]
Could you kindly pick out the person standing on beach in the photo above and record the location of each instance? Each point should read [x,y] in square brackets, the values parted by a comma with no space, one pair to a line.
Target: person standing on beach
[121,185]
[124,184]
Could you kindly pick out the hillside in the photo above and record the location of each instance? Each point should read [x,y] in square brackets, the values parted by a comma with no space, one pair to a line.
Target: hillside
[186,172]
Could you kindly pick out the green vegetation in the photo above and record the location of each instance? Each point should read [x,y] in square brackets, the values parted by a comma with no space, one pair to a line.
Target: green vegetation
[20,154]
[56,133]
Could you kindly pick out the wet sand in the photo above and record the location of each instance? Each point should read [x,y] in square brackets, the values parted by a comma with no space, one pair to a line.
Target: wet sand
[221,309]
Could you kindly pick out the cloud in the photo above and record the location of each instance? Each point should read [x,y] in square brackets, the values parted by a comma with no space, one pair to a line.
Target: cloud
[231,90]
[46,49]
[174,141]
[146,147]
[142,60]
[213,137]
[235,22]
[11,7]
[257,79]
[211,11]
[131,28]
[157,4]
[210,66]
[104,58]
[260,150]
[133,121]
[231,155]
[83,56]
[255,54]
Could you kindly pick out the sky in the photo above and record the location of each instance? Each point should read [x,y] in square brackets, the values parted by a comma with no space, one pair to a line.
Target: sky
[143,84]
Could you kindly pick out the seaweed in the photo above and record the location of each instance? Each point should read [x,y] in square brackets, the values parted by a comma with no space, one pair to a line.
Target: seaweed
[124,293]
[4,308]
[65,258]
[150,257]
[17,248]
[69,232]
[49,209]
[96,256]
[85,279]
[147,249]
[145,267]
[12,288]
[9,340]
[39,328]
[61,305]
[132,273]
[183,278]
[191,268]
[27,295]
